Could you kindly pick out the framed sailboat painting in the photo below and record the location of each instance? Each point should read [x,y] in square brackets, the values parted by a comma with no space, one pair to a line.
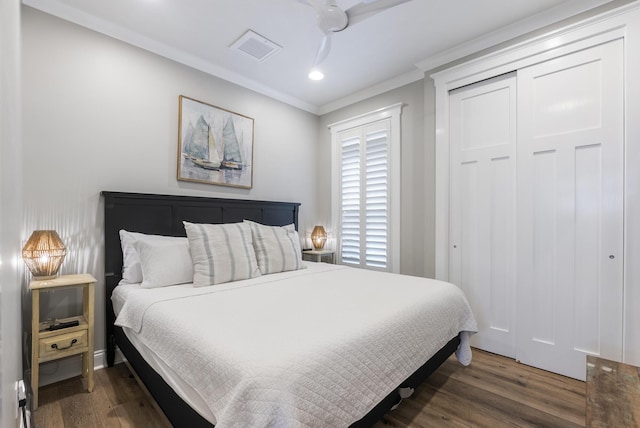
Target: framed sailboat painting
[215,145]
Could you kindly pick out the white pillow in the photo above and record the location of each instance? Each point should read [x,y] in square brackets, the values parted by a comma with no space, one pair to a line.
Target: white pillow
[131,269]
[277,248]
[164,263]
[221,253]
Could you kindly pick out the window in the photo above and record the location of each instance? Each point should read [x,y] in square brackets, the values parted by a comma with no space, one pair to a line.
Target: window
[366,189]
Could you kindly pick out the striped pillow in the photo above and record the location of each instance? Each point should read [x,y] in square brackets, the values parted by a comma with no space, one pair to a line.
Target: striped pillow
[277,248]
[221,253]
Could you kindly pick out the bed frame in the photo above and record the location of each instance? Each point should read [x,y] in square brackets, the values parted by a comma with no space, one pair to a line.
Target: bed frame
[163,215]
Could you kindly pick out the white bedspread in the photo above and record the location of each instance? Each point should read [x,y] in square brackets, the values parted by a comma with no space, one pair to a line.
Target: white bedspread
[317,347]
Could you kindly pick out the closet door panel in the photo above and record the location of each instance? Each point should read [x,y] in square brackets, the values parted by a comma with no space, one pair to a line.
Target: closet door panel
[483,207]
[469,239]
[567,100]
[588,217]
[570,210]
[501,240]
[545,251]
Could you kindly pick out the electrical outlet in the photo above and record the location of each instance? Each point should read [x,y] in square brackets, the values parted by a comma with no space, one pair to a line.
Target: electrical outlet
[21,394]
[16,387]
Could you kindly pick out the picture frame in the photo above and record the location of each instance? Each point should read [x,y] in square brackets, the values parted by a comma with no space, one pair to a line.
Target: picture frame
[215,145]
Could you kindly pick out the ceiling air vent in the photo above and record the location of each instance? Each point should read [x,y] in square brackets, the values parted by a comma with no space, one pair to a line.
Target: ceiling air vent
[256,46]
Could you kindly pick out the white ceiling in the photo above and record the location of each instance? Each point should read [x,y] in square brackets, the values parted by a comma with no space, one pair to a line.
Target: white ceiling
[387,50]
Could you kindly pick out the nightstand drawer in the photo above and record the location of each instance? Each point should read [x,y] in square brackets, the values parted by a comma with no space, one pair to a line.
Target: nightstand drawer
[67,343]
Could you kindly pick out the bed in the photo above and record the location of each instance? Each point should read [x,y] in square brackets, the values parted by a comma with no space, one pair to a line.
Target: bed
[260,367]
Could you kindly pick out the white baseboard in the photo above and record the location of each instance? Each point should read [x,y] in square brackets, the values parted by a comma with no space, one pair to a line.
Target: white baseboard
[65,368]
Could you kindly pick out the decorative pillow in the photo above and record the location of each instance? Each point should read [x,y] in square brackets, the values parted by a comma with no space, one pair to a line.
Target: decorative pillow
[164,263]
[131,269]
[277,248]
[221,253]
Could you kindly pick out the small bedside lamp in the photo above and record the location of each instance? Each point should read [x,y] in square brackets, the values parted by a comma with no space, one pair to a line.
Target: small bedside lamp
[318,237]
[43,254]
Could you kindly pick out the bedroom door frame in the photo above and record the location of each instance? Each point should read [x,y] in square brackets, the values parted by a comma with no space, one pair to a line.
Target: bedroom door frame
[621,23]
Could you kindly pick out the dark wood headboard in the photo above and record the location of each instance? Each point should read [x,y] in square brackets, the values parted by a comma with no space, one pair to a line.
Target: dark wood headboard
[163,215]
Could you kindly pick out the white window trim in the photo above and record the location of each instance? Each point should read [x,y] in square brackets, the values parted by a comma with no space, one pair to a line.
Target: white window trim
[392,112]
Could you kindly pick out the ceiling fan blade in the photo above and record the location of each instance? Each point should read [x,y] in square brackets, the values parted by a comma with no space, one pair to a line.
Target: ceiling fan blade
[323,50]
[366,9]
[316,4]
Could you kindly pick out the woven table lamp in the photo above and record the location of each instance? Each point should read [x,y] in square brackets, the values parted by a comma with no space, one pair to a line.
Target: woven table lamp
[43,254]
[318,237]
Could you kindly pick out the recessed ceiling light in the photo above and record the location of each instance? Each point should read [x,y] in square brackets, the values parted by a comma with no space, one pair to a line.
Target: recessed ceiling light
[316,75]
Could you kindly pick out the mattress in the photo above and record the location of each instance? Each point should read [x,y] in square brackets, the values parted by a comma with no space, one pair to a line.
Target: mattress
[182,388]
[314,347]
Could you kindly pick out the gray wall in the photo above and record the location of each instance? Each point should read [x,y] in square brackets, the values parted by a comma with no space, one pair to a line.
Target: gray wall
[103,115]
[10,211]
[417,177]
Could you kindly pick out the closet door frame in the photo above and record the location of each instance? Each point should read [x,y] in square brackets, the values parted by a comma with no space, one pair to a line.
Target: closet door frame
[621,23]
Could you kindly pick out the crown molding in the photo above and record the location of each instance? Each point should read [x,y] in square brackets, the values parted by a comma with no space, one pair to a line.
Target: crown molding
[553,38]
[552,16]
[56,8]
[510,32]
[372,91]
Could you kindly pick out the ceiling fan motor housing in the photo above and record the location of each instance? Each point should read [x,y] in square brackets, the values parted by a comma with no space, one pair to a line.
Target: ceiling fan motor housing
[333,19]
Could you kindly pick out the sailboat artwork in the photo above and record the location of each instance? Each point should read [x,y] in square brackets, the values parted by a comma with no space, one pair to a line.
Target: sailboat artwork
[232,156]
[200,146]
[215,146]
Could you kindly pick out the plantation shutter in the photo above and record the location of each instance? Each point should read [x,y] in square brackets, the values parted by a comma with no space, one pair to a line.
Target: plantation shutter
[365,189]
[364,195]
[376,197]
[351,195]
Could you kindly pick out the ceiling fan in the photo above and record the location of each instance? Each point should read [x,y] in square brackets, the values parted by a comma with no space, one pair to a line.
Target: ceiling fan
[333,19]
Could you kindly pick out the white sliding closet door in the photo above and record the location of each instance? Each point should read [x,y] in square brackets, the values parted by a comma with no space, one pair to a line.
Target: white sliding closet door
[482,250]
[570,209]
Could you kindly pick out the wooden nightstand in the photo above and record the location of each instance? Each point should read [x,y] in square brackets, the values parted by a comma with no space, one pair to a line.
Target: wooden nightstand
[319,254]
[47,345]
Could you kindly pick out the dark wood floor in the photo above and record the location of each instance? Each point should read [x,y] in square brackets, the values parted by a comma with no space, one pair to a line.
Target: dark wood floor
[492,392]
[116,401]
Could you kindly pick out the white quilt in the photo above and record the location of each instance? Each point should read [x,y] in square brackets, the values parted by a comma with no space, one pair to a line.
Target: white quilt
[317,347]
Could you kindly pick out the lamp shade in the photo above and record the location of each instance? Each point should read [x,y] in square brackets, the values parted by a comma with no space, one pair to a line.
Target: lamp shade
[318,237]
[43,254]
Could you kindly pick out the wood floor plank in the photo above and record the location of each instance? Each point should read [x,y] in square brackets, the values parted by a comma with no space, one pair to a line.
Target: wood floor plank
[116,401]
[140,413]
[49,413]
[416,415]
[77,406]
[493,391]
[101,402]
[536,389]
[119,384]
[484,408]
